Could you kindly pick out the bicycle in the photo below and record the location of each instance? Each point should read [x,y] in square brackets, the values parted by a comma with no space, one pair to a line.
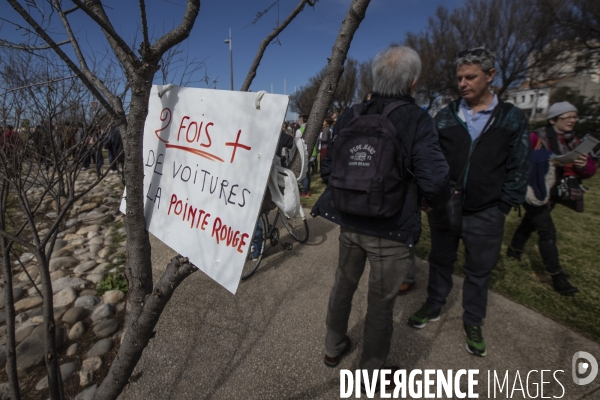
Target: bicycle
[296,226]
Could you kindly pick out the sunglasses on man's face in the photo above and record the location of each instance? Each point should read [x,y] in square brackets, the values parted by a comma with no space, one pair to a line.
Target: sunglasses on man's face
[476,52]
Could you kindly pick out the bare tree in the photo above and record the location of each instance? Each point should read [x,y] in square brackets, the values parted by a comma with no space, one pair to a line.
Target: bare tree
[146,300]
[346,92]
[335,68]
[518,32]
[365,80]
[269,39]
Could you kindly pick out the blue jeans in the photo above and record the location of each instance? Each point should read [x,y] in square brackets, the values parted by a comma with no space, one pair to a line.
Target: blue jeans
[256,245]
[306,182]
[388,260]
[482,233]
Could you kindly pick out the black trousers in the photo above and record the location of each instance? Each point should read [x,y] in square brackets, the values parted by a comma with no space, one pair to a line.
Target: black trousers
[538,218]
[482,233]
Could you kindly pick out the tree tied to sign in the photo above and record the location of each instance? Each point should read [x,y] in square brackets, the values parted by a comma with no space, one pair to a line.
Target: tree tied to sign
[139,66]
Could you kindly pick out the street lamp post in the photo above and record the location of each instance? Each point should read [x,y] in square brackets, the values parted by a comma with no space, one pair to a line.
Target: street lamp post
[230,59]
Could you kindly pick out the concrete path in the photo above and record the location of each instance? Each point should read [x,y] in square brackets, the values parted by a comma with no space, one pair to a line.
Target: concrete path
[266,342]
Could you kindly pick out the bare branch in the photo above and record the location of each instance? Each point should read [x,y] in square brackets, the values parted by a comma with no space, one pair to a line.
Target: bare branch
[121,49]
[146,43]
[4,43]
[88,81]
[263,45]
[178,34]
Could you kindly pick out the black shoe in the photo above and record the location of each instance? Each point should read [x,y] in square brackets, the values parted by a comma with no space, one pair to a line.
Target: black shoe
[562,285]
[514,254]
[333,362]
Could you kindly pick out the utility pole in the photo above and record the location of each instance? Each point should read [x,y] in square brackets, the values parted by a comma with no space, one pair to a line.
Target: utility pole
[230,58]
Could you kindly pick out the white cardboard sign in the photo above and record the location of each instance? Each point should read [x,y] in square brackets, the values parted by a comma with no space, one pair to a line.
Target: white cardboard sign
[207,157]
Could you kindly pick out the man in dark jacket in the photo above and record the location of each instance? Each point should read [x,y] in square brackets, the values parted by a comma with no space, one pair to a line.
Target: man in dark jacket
[486,144]
[386,242]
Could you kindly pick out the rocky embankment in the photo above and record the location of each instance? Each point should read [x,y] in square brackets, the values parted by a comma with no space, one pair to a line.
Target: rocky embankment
[89,318]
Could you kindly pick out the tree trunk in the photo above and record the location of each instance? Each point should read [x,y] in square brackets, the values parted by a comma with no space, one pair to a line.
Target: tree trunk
[141,330]
[9,304]
[54,377]
[354,16]
[146,304]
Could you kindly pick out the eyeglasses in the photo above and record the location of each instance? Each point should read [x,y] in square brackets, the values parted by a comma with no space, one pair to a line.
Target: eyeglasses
[476,52]
[573,117]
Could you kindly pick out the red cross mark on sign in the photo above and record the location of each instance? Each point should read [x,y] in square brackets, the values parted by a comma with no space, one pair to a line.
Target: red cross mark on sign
[236,144]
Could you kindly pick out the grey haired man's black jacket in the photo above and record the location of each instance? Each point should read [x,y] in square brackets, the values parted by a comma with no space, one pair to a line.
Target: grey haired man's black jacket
[423,157]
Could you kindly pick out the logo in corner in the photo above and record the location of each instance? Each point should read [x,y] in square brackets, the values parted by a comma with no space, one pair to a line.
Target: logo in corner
[580,367]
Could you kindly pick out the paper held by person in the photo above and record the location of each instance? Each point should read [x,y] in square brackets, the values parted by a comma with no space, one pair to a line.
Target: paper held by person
[585,147]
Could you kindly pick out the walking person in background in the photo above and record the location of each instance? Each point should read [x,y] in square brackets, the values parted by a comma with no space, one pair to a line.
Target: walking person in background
[324,138]
[558,137]
[486,144]
[306,180]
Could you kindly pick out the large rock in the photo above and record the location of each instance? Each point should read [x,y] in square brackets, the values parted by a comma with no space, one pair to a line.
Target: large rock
[62,283]
[75,314]
[94,277]
[18,292]
[33,271]
[96,240]
[87,394]
[87,229]
[95,248]
[103,346]
[22,334]
[102,312]
[71,237]
[58,244]
[27,303]
[72,350]
[57,275]
[91,364]
[76,331]
[113,296]
[87,302]
[84,267]
[106,328]
[101,268]
[30,353]
[64,297]
[62,262]
[66,370]
[104,252]
[87,207]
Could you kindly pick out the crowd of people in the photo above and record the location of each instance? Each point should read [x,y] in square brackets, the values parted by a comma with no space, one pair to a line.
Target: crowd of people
[467,168]
[72,143]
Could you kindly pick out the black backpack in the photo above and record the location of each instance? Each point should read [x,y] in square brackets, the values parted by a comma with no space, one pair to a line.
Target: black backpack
[367,170]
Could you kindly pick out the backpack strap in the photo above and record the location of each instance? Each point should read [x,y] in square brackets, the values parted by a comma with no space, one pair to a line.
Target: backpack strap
[553,140]
[392,106]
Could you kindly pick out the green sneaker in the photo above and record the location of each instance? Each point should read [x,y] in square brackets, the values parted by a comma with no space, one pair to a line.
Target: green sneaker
[475,343]
[423,316]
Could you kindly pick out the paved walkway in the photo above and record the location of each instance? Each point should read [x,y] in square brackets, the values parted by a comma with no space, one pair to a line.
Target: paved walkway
[266,342]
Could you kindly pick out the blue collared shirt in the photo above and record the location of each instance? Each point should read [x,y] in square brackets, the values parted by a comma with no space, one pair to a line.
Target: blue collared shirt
[476,122]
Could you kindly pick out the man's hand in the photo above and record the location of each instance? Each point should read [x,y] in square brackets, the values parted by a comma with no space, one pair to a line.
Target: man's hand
[581,161]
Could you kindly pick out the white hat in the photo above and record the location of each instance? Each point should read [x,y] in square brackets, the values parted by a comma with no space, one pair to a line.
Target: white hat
[560,108]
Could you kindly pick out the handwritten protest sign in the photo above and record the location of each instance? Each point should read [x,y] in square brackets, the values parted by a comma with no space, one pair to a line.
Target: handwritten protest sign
[207,157]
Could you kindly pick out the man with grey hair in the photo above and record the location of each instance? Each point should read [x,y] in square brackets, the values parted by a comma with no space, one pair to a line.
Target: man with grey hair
[486,144]
[385,242]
